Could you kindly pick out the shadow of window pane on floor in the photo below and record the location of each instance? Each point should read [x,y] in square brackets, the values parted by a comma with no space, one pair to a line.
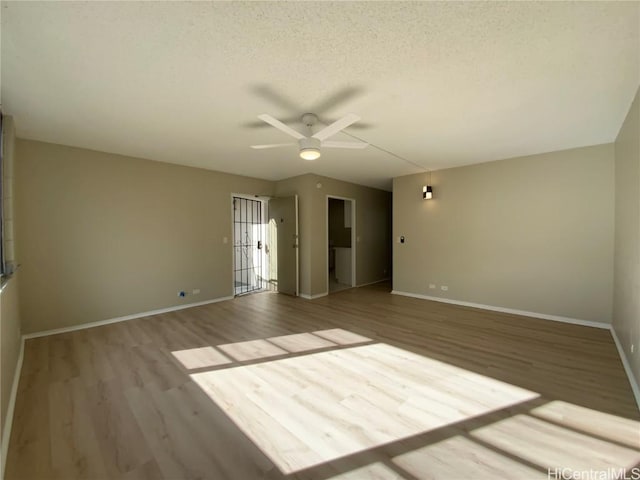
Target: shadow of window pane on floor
[372,410]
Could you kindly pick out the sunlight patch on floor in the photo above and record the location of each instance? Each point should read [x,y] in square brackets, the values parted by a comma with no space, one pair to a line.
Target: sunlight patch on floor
[265,348]
[201,358]
[252,350]
[301,342]
[373,471]
[471,460]
[342,337]
[594,422]
[553,446]
[307,410]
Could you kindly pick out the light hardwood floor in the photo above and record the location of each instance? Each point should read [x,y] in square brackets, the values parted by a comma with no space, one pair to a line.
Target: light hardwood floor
[361,384]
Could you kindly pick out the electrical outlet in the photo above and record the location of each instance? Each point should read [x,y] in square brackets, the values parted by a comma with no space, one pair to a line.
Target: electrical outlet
[444,288]
[632,347]
[195,291]
[225,240]
[432,286]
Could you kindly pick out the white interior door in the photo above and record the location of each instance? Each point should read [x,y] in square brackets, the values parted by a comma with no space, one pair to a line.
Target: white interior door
[283,248]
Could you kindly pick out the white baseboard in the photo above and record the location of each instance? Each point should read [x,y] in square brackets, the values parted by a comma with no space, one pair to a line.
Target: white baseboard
[373,283]
[627,367]
[99,323]
[311,297]
[324,294]
[8,423]
[544,316]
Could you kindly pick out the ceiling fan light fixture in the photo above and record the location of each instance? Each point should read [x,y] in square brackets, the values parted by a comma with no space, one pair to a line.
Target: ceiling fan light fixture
[309,148]
[310,144]
[310,153]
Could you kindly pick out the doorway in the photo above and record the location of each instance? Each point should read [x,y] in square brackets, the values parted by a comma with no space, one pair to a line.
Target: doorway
[248,243]
[341,243]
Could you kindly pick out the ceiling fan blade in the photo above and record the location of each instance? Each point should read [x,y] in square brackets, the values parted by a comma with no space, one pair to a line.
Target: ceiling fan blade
[272,145]
[336,126]
[274,122]
[331,144]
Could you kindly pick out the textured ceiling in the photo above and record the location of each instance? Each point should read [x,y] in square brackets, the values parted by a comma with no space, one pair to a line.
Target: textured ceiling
[437,84]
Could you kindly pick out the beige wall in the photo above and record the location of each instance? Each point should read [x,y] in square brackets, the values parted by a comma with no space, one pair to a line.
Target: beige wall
[532,233]
[626,298]
[9,311]
[373,210]
[102,236]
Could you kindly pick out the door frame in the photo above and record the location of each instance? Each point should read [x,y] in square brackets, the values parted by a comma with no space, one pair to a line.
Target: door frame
[353,237]
[263,209]
[297,244]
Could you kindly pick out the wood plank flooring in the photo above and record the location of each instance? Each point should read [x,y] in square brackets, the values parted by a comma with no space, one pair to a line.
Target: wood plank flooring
[361,384]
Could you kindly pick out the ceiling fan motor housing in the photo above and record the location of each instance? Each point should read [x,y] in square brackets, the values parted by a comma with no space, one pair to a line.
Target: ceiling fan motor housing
[309,142]
[309,119]
[309,148]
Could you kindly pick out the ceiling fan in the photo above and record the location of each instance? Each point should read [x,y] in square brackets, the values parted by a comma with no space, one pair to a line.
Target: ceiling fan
[310,144]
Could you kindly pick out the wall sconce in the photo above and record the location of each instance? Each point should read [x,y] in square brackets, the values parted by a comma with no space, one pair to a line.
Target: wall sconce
[427,190]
